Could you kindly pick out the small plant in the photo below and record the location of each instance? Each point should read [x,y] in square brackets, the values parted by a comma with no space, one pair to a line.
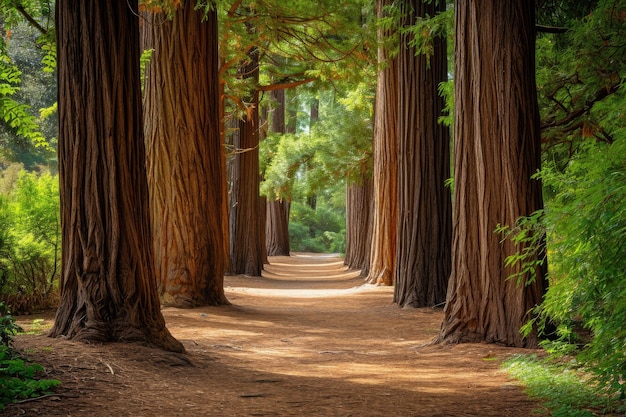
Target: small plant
[17,378]
[8,327]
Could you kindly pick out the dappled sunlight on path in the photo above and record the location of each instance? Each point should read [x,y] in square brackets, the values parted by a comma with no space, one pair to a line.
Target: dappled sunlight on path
[308,338]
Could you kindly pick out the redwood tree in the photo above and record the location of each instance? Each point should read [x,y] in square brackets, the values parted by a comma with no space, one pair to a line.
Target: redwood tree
[424,204]
[384,215]
[359,204]
[497,150]
[277,221]
[185,157]
[247,219]
[107,286]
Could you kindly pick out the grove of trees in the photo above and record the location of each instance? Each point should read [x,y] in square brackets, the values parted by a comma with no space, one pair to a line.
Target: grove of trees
[471,155]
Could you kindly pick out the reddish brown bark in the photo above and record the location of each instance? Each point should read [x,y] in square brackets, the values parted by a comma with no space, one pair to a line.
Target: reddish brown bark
[185,156]
[108,287]
[497,149]
[425,210]
[247,219]
[359,206]
[277,228]
[277,220]
[384,221]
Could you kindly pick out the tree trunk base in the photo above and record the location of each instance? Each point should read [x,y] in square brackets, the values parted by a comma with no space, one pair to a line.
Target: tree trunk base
[123,333]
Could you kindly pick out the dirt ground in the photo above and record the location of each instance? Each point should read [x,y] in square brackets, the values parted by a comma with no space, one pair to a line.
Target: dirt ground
[306,339]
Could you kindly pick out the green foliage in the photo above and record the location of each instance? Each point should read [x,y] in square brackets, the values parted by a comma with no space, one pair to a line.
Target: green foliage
[16,115]
[566,390]
[27,83]
[317,163]
[336,148]
[446,90]
[427,29]
[8,327]
[580,78]
[30,245]
[529,236]
[317,230]
[585,225]
[587,229]
[18,379]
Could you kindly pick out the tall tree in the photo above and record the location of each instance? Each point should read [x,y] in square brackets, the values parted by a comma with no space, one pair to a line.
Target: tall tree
[108,287]
[277,222]
[247,219]
[425,209]
[497,150]
[185,158]
[359,204]
[384,222]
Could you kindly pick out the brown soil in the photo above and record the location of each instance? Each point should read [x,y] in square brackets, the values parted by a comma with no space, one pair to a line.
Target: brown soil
[307,339]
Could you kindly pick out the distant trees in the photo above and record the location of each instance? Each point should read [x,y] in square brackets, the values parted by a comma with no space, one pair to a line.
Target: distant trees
[30,239]
[277,222]
[108,287]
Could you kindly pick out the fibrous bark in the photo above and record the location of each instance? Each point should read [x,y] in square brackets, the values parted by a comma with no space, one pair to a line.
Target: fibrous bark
[107,286]
[359,206]
[247,219]
[277,221]
[185,156]
[425,213]
[384,216]
[497,150]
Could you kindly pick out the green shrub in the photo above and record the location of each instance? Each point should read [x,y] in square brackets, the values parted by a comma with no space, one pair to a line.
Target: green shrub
[18,379]
[30,240]
[320,230]
[8,327]
[585,224]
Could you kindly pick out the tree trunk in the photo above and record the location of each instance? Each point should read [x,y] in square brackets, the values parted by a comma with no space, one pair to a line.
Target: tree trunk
[185,156]
[359,206]
[247,222]
[497,149]
[425,210]
[384,220]
[277,221]
[107,286]
[291,111]
[277,228]
[278,121]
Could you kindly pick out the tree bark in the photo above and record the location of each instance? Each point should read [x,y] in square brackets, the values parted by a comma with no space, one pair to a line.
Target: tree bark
[277,228]
[291,111]
[247,220]
[497,149]
[277,221]
[359,207]
[107,286]
[185,156]
[423,259]
[384,221]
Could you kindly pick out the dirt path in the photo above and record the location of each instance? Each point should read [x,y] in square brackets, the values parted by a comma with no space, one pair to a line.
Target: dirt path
[307,339]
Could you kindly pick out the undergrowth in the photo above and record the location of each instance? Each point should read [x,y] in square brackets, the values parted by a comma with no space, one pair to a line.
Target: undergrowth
[566,390]
[18,379]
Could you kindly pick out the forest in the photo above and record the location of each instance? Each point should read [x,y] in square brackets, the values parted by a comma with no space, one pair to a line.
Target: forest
[469,157]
